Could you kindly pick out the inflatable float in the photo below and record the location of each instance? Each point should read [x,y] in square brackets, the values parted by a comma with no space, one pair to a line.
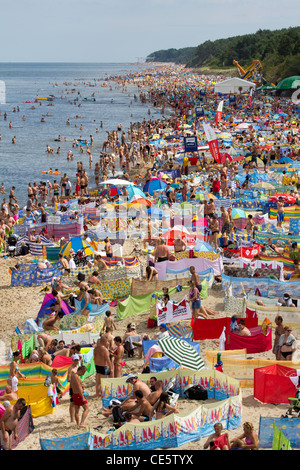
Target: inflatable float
[49,172]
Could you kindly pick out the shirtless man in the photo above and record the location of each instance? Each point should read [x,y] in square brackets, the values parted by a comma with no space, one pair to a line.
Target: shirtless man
[72,370]
[226,221]
[145,408]
[280,211]
[162,252]
[243,329]
[211,208]
[64,263]
[9,421]
[130,402]
[78,396]
[108,248]
[102,362]
[154,396]
[55,188]
[195,278]
[9,394]
[179,245]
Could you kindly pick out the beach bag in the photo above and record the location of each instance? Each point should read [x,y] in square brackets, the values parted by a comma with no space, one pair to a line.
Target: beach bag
[117,413]
[151,323]
[196,392]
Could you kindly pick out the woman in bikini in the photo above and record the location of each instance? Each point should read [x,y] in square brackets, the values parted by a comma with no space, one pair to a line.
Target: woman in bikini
[248,440]
[118,354]
[14,372]
[162,407]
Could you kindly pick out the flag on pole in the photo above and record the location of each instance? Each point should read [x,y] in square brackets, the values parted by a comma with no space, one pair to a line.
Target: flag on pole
[219,112]
[250,97]
[181,352]
[212,142]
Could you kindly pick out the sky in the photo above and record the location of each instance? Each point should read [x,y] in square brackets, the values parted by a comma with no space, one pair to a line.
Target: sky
[128,30]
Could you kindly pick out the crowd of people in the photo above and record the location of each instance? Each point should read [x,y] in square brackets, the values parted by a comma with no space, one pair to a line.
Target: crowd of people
[140,159]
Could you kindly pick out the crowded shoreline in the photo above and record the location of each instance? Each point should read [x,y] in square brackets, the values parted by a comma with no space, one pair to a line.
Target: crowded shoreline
[250,142]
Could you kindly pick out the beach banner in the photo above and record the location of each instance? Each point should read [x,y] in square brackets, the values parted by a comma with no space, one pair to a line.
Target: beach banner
[292,315]
[173,311]
[250,97]
[241,368]
[217,384]
[212,142]
[166,268]
[290,428]
[267,287]
[219,112]
[172,431]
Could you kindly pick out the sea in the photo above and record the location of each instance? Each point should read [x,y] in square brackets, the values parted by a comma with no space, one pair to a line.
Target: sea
[24,161]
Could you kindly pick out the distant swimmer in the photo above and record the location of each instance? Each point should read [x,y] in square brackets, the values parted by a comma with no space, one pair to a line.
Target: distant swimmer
[10,125]
[13,139]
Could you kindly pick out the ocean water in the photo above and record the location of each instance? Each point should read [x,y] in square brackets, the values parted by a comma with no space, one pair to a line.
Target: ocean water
[24,161]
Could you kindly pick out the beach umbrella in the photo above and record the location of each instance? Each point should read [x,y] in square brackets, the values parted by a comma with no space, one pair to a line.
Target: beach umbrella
[202,246]
[76,244]
[134,192]
[140,202]
[238,213]
[155,184]
[116,182]
[113,191]
[181,352]
[289,83]
[285,197]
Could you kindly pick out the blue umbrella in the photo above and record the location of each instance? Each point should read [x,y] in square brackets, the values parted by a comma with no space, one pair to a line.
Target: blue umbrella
[155,184]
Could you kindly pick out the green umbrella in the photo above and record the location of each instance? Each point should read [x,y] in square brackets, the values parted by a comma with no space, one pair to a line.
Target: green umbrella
[181,352]
[289,83]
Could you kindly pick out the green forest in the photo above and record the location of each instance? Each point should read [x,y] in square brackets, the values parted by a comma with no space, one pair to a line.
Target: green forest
[278,51]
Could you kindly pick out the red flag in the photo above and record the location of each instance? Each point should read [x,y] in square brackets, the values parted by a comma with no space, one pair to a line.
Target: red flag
[212,142]
[250,97]
[219,112]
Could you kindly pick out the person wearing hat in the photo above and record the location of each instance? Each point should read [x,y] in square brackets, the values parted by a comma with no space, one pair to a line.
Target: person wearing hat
[285,301]
[163,331]
[129,403]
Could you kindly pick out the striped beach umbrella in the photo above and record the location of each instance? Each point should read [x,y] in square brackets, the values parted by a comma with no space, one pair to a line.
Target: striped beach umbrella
[181,352]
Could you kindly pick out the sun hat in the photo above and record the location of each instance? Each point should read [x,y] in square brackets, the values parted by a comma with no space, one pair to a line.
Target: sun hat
[75,357]
[163,325]
[131,376]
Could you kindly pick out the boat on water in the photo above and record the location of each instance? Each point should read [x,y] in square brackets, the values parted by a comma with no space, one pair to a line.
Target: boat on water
[89,99]
[45,98]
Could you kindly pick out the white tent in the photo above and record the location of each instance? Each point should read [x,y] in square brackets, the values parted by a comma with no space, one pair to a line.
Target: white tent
[234,85]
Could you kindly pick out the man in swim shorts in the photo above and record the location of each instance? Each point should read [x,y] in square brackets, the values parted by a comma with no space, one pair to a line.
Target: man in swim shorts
[102,362]
[78,396]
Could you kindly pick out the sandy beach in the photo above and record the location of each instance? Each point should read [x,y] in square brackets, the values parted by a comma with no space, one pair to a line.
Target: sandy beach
[19,304]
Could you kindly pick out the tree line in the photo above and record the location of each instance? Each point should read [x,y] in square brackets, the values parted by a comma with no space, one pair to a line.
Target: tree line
[278,51]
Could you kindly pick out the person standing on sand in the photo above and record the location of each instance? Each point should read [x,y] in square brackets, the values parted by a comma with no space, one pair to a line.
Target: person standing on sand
[102,362]
[9,421]
[72,370]
[78,396]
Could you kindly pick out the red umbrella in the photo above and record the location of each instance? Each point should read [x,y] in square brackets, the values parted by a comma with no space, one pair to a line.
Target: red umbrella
[285,197]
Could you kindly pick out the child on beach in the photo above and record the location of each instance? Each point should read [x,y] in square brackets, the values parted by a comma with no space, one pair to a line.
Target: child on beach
[109,321]
[55,381]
